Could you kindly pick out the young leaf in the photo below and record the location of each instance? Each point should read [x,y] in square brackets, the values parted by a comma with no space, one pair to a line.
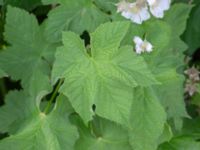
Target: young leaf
[34,129]
[77,16]
[29,55]
[101,135]
[147,120]
[108,74]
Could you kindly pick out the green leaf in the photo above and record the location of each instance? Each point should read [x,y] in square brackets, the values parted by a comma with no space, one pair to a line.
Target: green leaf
[177,17]
[2,73]
[171,94]
[191,127]
[147,120]
[29,57]
[108,6]
[77,16]
[166,57]
[28,5]
[181,143]
[166,134]
[195,100]
[192,33]
[18,107]
[108,74]
[101,135]
[34,129]
[47,2]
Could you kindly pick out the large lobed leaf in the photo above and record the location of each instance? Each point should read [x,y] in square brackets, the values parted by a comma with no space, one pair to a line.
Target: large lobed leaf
[167,56]
[29,57]
[77,16]
[30,129]
[105,78]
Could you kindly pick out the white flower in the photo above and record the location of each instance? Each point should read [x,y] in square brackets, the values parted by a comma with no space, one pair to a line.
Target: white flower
[137,12]
[122,6]
[157,7]
[142,46]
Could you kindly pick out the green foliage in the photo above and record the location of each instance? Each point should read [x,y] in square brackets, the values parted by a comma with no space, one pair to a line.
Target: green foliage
[46,2]
[192,34]
[28,5]
[101,74]
[29,57]
[32,129]
[94,93]
[146,124]
[76,16]
[102,135]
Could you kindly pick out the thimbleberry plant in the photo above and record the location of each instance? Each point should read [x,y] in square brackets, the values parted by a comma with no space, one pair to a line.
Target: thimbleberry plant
[95,75]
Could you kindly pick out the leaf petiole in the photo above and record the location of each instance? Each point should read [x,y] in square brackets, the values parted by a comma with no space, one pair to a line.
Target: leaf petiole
[53,96]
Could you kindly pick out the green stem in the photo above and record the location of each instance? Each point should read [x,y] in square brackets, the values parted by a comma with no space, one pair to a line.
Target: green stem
[53,97]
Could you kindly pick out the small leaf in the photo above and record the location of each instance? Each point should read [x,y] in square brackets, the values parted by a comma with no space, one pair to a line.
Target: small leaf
[166,134]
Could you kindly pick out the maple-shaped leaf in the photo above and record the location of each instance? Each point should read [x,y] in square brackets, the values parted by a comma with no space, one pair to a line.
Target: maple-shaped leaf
[29,128]
[166,57]
[77,16]
[104,76]
[101,135]
[147,120]
[29,57]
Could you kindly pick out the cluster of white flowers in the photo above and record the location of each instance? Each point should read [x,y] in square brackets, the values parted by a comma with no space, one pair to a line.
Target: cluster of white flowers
[138,11]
